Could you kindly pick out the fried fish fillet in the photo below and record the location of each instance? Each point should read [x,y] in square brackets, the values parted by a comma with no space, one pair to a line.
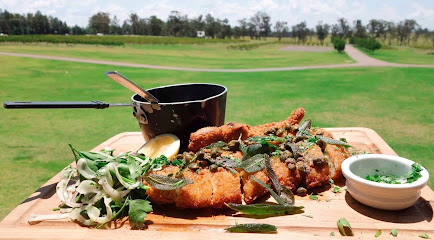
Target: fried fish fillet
[207,135]
[295,118]
[211,189]
[317,168]
[232,131]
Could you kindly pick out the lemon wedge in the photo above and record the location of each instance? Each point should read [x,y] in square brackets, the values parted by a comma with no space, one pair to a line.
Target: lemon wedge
[164,144]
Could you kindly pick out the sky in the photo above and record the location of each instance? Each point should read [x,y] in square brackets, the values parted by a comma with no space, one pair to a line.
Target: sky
[292,11]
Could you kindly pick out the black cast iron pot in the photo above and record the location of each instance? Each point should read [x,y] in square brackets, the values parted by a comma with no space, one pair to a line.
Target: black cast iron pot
[182,109]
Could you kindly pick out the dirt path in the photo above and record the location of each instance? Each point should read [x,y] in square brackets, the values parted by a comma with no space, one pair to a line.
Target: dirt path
[362,60]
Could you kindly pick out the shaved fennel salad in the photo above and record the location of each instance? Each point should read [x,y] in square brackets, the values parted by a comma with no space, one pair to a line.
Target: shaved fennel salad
[103,187]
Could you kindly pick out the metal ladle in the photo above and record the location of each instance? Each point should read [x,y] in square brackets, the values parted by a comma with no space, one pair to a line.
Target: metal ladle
[121,79]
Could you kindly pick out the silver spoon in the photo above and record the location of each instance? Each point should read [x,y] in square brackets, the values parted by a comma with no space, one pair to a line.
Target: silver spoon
[132,86]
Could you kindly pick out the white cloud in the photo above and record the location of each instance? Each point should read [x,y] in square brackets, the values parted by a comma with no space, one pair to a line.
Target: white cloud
[419,11]
[291,11]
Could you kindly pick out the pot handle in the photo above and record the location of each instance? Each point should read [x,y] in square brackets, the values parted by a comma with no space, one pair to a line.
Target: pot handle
[25,105]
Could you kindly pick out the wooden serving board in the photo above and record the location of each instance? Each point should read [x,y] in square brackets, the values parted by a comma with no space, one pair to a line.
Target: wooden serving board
[317,222]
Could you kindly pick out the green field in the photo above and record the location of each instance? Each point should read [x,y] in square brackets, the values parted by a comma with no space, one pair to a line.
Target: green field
[194,55]
[403,55]
[396,102]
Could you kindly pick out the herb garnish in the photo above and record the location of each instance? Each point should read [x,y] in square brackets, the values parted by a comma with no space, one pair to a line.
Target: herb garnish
[394,232]
[345,227]
[378,233]
[410,177]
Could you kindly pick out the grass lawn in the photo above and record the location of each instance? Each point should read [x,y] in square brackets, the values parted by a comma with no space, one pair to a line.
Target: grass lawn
[395,102]
[403,55]
[198,56]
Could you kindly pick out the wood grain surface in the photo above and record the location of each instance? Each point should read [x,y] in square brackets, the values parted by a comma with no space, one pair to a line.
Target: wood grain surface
[317,221]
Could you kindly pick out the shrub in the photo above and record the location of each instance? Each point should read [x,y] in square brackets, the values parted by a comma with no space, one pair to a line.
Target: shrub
[370,44]
[339,44]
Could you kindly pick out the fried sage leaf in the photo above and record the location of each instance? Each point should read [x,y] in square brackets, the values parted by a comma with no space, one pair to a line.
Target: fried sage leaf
[345,227]
[161,182]
[333,141]
[218,144]
[282,191]
[252,228]
[255,149]
[265,209]
[269,189]
[253,164]
[304,127]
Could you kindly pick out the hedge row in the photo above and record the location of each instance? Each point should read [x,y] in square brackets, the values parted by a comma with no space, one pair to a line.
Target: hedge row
[370,44]
[249,46]
[116,40]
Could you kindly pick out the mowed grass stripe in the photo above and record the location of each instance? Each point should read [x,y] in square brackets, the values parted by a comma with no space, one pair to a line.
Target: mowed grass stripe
[215,56]
[395,102]
[404,55]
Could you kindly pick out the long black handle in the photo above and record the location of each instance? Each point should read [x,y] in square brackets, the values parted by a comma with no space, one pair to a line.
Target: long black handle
[92,104]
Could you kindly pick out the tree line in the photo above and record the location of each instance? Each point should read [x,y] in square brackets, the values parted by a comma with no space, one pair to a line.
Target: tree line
[257,26]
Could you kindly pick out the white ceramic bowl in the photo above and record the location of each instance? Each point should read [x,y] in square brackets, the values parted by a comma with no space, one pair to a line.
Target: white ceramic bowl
[382,195]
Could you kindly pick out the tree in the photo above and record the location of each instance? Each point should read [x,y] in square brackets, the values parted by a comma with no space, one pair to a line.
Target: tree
[359,30]
[126,27]
[115,28]
[343,29]
[300,31]
[335,30]
[281,29]
[225,29]
[404,30]
[155,26]
[237,32]
[322,30]
[99,23]
[40,23]
[210,26]
[76,30]
[243,27]
[255,21]
[265,26]
[391,31]
[134,23]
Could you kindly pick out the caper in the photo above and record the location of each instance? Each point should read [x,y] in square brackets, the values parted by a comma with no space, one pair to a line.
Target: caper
[203,163]
[200,155]
[301,191]
[189,156]
[320,143]
[280,132]
[291,166]
[213,168]
[271,130]
[301,167]
[318,161]
[179,174]
[284,155]
[193,166]
[179,156]
[287,126]
[234,145]
[290,160]
[215,152]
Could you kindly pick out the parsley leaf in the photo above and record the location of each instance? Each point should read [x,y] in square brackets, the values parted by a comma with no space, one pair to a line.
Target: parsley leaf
[138,212]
